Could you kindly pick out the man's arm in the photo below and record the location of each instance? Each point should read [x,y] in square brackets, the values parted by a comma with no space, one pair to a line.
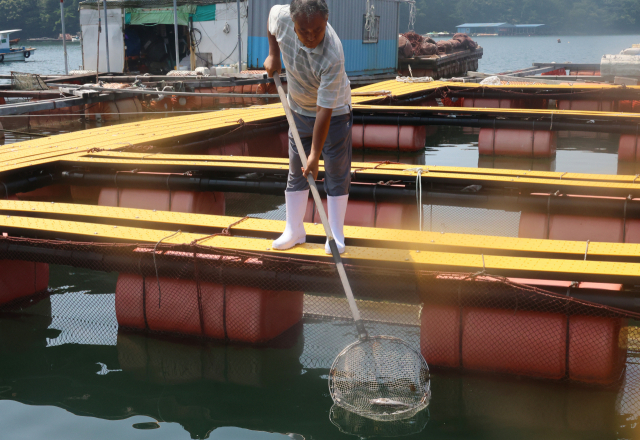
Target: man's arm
[320,132]
[272,64]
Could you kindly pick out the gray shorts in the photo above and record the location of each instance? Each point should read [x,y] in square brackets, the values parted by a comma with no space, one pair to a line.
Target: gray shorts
[336,154]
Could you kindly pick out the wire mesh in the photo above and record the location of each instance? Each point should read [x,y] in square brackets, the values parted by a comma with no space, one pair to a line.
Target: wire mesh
[474,323]
[381,378]
[27,81]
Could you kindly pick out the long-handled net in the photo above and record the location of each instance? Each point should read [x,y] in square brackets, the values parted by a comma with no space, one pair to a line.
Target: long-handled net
[381,377]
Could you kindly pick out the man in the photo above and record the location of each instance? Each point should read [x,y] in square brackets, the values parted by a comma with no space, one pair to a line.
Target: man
[320,97]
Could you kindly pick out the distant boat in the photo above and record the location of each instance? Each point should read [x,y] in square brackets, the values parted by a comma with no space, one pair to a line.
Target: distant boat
[14,41]
[75,39]
[7,53]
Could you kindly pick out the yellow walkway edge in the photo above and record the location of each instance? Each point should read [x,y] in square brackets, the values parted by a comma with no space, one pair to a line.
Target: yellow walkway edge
[596,271]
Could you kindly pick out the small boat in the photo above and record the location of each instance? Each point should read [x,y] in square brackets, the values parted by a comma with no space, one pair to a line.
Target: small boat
[14,41]
[75,39]
[8,53]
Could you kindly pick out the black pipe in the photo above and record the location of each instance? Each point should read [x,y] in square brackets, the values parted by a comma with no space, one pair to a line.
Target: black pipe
[570,95]
[464,121]
[500,200]
[14,186]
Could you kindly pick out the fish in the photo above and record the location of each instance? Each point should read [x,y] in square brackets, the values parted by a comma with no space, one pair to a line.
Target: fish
[383,401]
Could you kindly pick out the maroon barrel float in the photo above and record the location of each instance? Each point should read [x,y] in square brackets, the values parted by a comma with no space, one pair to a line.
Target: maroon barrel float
[534,344]
[235,313]
[389,137]
[20,279]
[193,202]
[537,144]
[372,215]
[578,228]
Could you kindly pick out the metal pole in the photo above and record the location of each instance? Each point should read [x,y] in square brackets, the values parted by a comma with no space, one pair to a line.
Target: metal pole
[64,39]
[239,39]
[106,34]
[175,30]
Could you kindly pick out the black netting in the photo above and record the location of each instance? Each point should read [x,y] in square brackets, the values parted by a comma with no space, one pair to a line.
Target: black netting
[463,322]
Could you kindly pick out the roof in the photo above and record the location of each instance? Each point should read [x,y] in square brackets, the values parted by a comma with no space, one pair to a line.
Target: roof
[528,25]
[483,24]
[10,31]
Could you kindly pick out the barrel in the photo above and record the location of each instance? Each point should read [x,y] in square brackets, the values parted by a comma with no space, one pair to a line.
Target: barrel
[389,137]
[521,143]
[371,215]
[20,279]
[578,228]
[585,105]
[193,202]
[234,313]
[521,342]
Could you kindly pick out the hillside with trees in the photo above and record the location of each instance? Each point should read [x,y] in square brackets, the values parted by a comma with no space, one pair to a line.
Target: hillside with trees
[38,18]
[41,18]
[560,16]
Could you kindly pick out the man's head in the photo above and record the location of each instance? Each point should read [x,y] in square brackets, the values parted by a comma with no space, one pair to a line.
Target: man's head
[310,18]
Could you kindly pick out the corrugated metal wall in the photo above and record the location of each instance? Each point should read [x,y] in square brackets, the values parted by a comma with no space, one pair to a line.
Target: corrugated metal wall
[346,17]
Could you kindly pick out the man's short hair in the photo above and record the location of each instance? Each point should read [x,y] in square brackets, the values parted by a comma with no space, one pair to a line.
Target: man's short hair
[308,8]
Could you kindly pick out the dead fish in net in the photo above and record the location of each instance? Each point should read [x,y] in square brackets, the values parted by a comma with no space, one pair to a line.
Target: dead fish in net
[383,401]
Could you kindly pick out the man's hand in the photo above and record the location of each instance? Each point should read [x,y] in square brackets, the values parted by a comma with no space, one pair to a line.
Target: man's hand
[313,164]
[320,131]
[273,65]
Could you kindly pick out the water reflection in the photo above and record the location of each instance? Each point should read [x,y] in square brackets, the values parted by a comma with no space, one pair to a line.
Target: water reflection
[354,424]
[282,388]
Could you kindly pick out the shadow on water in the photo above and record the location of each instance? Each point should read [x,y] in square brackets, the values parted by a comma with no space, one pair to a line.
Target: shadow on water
[281,388]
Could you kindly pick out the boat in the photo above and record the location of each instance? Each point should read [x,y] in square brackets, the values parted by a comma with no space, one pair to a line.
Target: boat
[14,41]
[7,53]
[75,39]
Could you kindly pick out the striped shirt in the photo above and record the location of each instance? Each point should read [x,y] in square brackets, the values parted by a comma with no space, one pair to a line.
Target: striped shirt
[315,77]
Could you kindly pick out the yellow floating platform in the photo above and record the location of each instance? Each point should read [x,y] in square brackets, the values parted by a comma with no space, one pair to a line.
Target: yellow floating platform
[378,247]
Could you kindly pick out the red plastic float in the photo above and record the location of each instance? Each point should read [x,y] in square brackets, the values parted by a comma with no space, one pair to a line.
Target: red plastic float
[521,143]
[578,228]
[19,279]
[585,105]
[628,150]
[523,343]
[369,214]
[193,202]
[236,313]
[492,103]
[386,137]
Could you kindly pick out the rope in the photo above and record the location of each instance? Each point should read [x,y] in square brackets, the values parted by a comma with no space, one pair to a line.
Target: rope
[156,266]
[418,193]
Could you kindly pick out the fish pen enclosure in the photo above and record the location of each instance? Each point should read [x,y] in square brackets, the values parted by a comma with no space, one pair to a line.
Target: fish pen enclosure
[460,321]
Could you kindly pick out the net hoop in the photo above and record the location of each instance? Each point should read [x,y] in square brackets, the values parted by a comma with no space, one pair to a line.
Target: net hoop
[397,414]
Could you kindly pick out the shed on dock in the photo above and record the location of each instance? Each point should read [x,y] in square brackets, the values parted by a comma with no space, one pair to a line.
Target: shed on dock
[366,53]
[141,37]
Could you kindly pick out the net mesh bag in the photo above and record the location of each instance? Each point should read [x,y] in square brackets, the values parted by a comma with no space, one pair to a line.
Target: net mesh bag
[382,378]
[27,81]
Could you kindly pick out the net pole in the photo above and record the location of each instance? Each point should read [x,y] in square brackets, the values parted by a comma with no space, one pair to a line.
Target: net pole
[362,333]
[175,31]
[239,38]
[64,38]
[106,35]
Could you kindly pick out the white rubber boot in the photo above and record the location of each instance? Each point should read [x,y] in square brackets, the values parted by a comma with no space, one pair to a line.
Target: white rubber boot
[294,232]
[337,210]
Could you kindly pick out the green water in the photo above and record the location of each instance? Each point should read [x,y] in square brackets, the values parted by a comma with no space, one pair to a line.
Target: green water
[67,373]
[66,378]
